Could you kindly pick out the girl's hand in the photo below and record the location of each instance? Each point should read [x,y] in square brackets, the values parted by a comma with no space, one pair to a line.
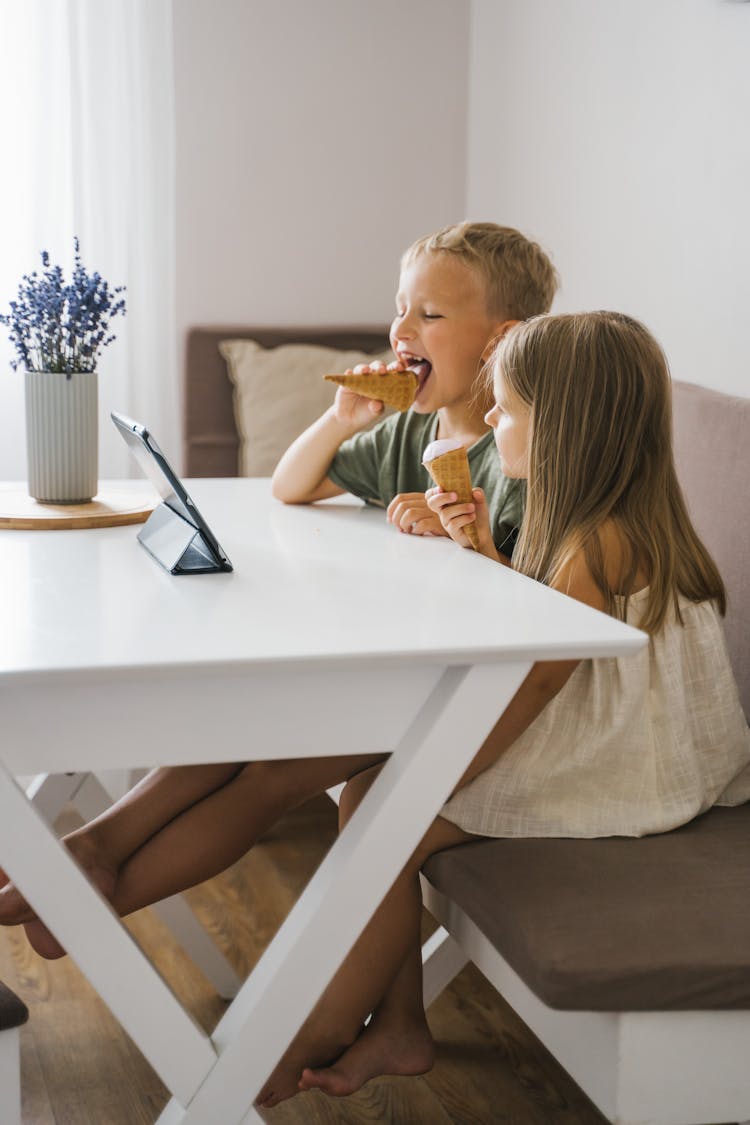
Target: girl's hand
[356,410]
[454,517]
[409,512]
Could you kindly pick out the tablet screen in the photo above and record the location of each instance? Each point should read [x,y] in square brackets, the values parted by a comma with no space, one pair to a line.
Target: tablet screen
[163,477]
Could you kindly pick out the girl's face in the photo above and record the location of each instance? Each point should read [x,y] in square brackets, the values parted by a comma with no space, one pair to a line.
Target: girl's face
[510,418]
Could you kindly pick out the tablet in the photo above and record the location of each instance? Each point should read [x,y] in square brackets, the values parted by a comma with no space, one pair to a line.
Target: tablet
[176,534]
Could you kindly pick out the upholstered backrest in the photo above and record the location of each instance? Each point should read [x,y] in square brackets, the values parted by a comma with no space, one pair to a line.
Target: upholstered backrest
[210,438]
[712,451]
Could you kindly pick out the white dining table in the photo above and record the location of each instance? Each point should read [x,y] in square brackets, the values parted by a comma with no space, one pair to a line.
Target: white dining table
[334,634]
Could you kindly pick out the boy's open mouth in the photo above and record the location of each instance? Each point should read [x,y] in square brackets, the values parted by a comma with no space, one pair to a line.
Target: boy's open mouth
[422,369]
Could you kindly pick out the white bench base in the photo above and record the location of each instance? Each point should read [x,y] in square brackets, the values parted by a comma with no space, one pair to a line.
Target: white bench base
[10,1077]
[639,1068]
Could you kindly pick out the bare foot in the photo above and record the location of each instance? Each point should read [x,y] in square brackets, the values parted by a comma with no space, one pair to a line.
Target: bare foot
[383,1048]
[14,909]
[285,1081]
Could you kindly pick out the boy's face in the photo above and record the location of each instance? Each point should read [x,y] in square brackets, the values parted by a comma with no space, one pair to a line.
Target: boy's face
[510,418]
[442,320]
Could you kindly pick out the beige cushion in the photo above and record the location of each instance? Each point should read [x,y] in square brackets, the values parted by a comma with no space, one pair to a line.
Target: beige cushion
[279,392]
[712,453]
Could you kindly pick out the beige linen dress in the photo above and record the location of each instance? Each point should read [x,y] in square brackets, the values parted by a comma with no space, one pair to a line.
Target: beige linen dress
[629,746]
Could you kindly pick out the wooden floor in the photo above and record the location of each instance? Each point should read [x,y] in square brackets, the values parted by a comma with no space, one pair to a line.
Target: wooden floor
[79,1068]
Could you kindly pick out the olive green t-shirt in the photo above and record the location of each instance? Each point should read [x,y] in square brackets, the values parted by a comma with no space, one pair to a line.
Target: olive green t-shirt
[379,463]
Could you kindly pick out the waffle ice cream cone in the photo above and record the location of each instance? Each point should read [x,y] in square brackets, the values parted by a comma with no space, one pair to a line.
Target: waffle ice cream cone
[394,388]
[448,465]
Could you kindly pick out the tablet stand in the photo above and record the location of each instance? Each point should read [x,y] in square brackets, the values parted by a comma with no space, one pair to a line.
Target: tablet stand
[178,546]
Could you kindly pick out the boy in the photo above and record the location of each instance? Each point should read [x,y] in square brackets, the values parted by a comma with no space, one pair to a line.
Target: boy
[459,291]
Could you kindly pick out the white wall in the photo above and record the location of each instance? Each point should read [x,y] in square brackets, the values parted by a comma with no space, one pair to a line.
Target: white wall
[619,135]
[315,141]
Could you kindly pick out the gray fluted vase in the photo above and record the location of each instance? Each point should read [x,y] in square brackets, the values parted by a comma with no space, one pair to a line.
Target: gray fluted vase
[62,436]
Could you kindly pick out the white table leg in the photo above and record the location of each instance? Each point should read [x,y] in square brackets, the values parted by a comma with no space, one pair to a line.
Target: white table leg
[442,960]
[51,792]
[177,914]
[94,937]
[10,1076]
[340,899]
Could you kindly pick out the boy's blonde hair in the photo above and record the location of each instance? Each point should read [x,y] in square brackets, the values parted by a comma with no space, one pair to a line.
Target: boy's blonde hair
[600,448]
[520,279]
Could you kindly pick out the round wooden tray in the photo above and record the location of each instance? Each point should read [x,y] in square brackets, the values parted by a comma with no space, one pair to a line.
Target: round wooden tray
[112,506]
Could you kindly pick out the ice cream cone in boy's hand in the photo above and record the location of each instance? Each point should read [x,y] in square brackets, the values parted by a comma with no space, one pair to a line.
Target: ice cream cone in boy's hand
[448,465]
[394,388]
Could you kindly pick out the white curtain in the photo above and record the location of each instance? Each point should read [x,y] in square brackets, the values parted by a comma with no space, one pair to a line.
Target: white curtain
[88,132]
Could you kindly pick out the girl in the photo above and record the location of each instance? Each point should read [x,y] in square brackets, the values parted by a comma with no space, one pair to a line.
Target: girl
[604,747]
[589,748]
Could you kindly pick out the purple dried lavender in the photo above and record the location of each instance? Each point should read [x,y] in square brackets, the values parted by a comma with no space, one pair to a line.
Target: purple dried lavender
[59,327]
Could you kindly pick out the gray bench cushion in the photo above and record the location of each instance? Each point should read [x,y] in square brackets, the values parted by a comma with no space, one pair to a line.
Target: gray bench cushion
[659,923]
[13,1011]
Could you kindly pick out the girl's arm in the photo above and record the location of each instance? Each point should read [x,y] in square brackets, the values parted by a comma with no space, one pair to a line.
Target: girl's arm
[543,682]
[455,517]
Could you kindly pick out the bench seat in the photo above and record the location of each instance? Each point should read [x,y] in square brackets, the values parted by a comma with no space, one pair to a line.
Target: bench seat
[653,924]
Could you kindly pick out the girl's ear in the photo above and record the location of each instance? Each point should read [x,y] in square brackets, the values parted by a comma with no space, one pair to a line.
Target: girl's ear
[498,332]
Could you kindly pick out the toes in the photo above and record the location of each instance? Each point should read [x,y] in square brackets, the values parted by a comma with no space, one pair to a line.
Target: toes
[14,909]
[314,1079]
[264,1097]
[272,1095]
[329,1081]
[45,944]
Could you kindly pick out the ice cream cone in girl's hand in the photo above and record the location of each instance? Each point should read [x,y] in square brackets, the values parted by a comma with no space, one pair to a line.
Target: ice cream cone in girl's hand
[448,465]
[394,388]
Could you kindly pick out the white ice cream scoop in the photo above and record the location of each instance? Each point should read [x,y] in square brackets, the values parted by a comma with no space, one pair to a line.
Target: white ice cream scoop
[439,447]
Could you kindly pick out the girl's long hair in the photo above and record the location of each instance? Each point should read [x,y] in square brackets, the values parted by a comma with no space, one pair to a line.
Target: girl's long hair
[599,392]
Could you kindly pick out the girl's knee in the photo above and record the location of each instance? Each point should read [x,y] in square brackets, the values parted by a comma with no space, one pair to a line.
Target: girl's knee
[278,782]
[354,791]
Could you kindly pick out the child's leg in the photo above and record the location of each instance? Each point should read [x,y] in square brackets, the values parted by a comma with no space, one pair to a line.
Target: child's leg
[372,966]
[217,831]
[129,822]
[150,805]
[201,841]
[397,1039]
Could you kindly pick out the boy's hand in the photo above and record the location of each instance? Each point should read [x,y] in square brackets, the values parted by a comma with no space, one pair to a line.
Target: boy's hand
[409,512]
[454,517]
[356,410]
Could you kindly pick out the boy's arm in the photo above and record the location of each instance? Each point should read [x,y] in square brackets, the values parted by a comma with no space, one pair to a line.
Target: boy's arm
[409,512]
[301,475]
